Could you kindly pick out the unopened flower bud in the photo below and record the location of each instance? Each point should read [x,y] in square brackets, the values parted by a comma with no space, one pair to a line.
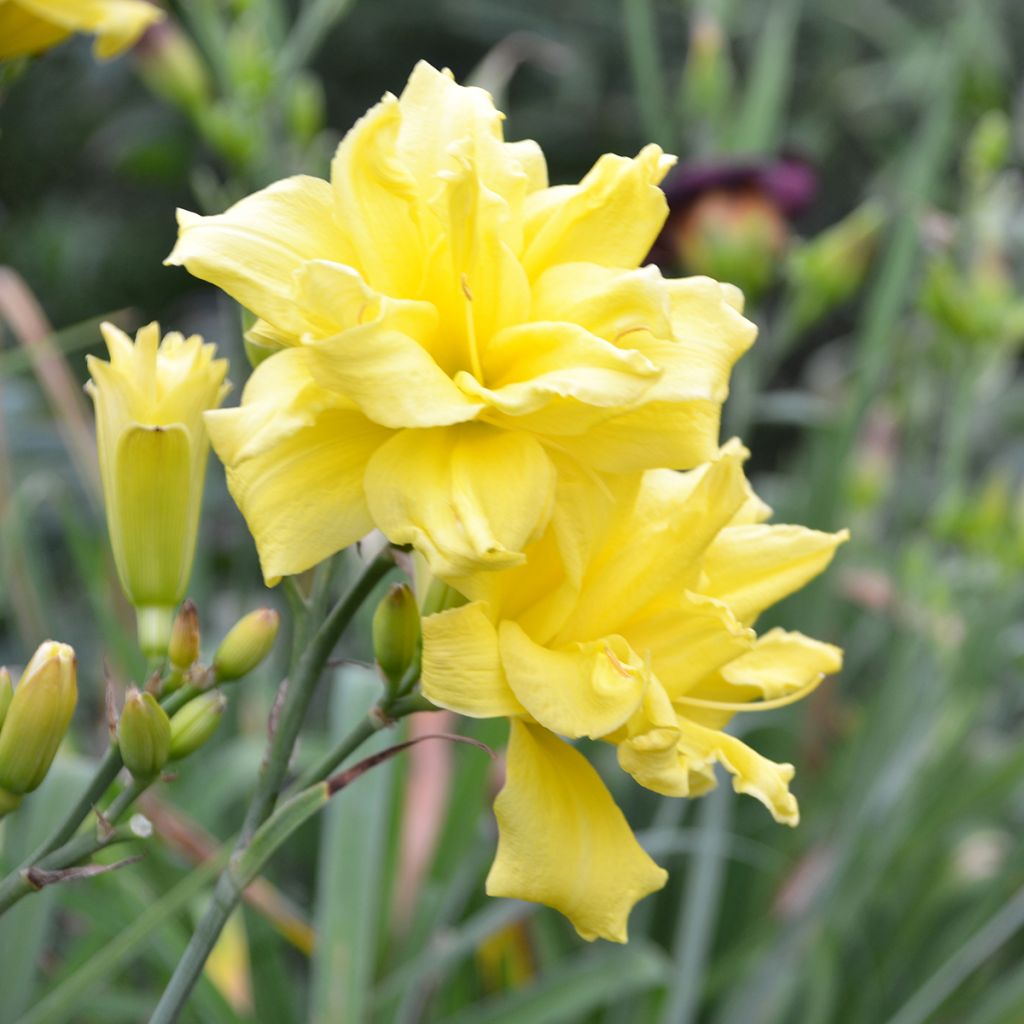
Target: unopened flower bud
[144,735]
[396,632]
[246,645]
[37,718]
[183,650]
[195,723]
[171,66]
[6,693]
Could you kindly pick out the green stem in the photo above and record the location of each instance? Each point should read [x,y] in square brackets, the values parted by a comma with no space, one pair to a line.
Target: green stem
[17,885]
[377,719]
[272,773]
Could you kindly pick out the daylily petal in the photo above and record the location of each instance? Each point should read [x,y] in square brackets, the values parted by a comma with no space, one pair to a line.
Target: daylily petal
[461,666]
[750,568]
[375,197]
[563,842]
[779,664]
[447,492]
[586,690]
[296,473]
[655,545]
[23,33]
[254,248]
[116,23]
[391,377]
[752,774]
[688,641]
[613,304]
[443,122]
[676,434]
[612,217]
[649,749]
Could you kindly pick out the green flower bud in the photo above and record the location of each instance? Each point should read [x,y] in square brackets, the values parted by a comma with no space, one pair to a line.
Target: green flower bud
[37,718]
[195,723]
[246,645]
[183,650]
[6,693]
[144,735]
[396,632]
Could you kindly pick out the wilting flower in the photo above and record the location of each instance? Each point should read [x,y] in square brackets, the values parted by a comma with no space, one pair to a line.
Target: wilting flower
[443,323]
[150,399]
[29,26]
[631,622]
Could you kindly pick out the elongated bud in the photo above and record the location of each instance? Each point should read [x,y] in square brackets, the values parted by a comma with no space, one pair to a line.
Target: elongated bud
[6,693]
[246,645]
[183,650]
[396,632]
[195,723]
[38,718]
[144,735]
[152,445]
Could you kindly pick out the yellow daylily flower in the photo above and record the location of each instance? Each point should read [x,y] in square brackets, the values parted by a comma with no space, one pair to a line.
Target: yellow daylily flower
[631,622]
[150,399]
[30,26]
[442,322]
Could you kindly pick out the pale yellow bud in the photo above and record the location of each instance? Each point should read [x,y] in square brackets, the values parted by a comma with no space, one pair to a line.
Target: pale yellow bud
[150,399]
[38,717]
[246,645]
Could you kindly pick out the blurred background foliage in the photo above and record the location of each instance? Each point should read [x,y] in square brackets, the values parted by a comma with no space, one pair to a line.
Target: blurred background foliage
[884,393]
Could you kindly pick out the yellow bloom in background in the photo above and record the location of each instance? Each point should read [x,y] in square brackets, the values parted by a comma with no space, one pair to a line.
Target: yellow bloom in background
[150,399]
[631,622]
[30,26]
[447,330]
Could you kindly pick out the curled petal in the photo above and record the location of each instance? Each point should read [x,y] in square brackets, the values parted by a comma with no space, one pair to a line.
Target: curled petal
[563,842]
[467,497]
[585,690]
[611,218]
[461,665]
[751,567]
[254,248]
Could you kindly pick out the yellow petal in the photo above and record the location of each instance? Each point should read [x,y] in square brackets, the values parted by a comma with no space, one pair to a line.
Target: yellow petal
[563,842]
[461,667]
[443,123]
[295,463]
[23,33]
[749,568]
[654,546]
[391,377]
[612,217]
[115,23]
[587,689]
[675,434]
[533,366]
[613,304]
[688,641]
[376,198]
[649,747]
[447,492]
[254,248]
[781,663]
[752,774]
